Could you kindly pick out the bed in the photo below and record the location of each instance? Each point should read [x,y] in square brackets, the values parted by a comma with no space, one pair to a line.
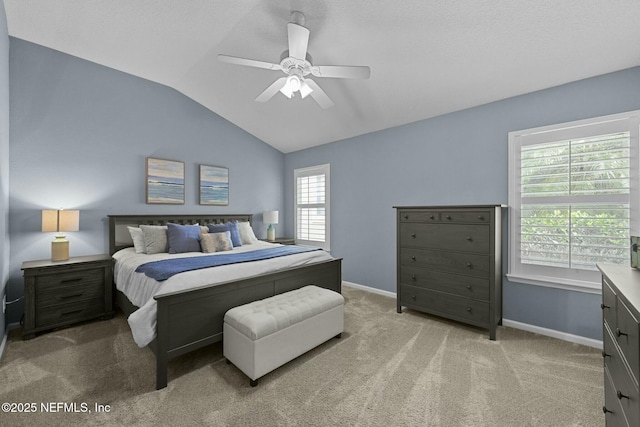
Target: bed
[188,319]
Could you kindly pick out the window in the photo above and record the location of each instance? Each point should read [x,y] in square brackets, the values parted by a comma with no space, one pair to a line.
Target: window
[312,206]
[573,199]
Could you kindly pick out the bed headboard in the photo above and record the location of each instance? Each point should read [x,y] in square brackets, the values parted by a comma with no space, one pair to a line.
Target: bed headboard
[119,237]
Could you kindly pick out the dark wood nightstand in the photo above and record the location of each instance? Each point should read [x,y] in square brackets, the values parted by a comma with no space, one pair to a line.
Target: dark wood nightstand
[60,293]
[282,240]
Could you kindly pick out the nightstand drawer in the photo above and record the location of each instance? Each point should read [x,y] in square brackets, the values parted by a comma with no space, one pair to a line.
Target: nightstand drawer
[52,281]
[69,313]
[68,294]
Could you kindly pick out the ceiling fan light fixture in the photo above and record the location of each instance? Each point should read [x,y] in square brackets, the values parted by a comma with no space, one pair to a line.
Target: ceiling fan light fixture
[305,90]
[291,86]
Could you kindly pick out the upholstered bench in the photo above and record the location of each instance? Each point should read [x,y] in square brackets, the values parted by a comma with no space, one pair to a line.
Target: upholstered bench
[263,335]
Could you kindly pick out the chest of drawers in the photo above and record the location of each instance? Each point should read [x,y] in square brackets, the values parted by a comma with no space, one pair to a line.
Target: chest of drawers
[449,262]
[66,292]
[621,344]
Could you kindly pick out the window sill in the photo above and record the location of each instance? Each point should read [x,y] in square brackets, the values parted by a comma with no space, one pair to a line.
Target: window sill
[557,283]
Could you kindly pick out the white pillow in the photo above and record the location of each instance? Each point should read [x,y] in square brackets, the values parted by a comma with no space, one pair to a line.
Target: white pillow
[138,240]
[246,233]
[216,242]
[155,238]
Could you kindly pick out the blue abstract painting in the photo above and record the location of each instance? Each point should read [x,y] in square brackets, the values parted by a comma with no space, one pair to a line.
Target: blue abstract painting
[165,181]
[214,185]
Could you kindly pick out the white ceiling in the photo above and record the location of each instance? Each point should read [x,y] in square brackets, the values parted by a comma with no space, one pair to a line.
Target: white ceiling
[427,57]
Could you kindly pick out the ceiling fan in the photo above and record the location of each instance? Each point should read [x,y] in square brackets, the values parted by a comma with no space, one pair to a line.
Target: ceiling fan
[297,64]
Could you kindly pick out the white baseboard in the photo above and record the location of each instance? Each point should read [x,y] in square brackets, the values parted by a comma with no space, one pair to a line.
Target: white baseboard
[590,342]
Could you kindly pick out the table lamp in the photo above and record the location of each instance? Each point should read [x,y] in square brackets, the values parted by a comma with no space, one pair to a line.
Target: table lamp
[59,221]
[271,218]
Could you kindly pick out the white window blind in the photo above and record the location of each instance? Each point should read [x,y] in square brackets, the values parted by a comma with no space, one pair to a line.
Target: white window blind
[312,205]
[572,198]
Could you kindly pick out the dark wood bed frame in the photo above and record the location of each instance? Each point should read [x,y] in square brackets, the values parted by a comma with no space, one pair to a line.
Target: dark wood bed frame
[190,319]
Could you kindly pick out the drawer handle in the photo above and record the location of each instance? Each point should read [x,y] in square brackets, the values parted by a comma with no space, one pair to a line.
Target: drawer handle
[605,354]
[448,216]
[413,235]
[413,277]
[469,238]
[70,296]
[406,217]
[469,265]
[413,297]
[481,218]
[66,313]
[469,309]
[619,333]
[413,258]
[469,287]
[605,410]
[77,279]
[602,306]
[432,217]
[621,396]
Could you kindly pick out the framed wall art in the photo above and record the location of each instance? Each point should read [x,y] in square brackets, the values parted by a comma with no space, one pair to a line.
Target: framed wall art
[165,181]
[214,185]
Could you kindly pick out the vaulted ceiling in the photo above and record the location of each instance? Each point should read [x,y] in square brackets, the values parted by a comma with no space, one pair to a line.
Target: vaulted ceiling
[427,57]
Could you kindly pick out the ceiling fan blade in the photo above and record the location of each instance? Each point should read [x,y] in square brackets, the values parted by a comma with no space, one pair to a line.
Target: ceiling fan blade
[341,71]
[271,90]
[318,94]
[248,62]
[298,40]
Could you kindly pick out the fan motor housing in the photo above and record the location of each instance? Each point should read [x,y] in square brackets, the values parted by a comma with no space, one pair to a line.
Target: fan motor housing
[289,63]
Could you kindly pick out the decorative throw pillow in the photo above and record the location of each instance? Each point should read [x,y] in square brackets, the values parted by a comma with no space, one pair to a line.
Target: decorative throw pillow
[155,238]
[231,227]
[246,233]
[138,240]
[183,238]
[216,242]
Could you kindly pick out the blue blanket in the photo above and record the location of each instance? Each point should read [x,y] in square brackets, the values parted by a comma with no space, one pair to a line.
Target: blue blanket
[164,269]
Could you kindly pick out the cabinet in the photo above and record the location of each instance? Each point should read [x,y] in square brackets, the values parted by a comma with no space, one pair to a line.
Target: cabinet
[60,293]
[449,262]
[621,344]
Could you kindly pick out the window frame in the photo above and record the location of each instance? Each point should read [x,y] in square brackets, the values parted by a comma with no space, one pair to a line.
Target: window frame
[325,170]
[561,277]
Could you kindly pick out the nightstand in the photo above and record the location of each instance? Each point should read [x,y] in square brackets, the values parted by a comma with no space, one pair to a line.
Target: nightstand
[60,293]
[282,240]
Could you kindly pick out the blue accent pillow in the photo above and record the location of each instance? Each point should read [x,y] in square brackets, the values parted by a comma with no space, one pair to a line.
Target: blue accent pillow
[231,227]
[183,238]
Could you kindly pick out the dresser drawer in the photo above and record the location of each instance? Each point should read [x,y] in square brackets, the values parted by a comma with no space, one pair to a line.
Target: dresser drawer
[470,287]
[446,305]
[70,313]
[608,304]
[74,277]
[626,391]
[448,262]
[466,217]
[68,294]
[626,332]
[419,215]
[614,416]
[456,237]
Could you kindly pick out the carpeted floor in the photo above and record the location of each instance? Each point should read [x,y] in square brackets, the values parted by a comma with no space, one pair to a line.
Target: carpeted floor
[388,369]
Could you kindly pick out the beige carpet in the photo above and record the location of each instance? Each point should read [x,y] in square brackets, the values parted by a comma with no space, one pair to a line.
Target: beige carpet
[388,369]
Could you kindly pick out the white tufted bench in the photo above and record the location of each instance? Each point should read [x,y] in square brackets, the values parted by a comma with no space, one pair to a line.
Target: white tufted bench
[263,335]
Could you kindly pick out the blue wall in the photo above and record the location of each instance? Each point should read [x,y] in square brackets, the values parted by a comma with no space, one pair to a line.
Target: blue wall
[4,161]
[80,134]
[458,158]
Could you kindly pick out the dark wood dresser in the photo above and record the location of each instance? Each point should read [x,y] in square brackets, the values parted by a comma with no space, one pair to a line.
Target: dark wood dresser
[60,293]
[449,262]
[621,344]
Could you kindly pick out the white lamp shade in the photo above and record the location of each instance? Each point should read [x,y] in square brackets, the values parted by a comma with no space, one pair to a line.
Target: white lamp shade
[270,217]
[60,220]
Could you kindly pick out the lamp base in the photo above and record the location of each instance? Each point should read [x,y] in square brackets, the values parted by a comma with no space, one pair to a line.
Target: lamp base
[60,249]
[271,233]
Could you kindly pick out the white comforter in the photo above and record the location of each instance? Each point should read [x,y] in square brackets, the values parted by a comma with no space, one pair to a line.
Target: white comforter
[141,289]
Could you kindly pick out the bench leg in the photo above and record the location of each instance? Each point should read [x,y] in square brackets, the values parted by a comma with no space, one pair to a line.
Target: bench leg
[253,383]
